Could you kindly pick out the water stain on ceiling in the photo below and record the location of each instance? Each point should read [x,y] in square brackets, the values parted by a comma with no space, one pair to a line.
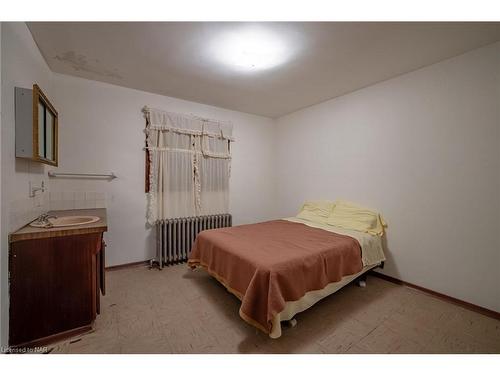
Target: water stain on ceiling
[80,62]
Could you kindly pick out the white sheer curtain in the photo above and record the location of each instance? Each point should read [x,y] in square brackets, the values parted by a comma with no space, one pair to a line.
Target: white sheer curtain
[189,165]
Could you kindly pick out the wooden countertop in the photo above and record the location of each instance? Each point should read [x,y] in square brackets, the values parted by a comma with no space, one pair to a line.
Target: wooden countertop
[30,233]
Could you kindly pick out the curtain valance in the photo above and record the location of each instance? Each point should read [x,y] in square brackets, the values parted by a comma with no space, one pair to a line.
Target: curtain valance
[188,124]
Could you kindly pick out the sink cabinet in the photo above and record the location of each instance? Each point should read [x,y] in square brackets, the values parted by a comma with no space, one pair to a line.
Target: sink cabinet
[55,287]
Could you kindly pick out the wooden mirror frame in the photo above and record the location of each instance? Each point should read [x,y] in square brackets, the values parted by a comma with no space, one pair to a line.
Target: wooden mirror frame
[38,95]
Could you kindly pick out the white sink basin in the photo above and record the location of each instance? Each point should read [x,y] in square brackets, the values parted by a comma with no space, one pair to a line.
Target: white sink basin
[67,221]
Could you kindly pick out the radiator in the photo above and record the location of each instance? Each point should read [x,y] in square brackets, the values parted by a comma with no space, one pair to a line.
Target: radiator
[175,237]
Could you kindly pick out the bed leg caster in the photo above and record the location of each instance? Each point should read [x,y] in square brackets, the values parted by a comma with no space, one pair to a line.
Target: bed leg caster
[291,323]
[362,283]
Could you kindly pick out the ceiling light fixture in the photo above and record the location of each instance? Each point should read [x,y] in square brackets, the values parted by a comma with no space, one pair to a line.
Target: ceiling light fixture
[250,49]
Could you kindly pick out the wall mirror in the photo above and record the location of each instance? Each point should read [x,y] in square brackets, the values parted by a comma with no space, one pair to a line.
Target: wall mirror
[36,126]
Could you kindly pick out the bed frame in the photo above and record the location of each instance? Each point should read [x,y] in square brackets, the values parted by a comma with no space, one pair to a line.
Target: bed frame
[287,316]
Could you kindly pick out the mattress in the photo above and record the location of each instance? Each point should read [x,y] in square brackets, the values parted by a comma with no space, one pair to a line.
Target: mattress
[282,267]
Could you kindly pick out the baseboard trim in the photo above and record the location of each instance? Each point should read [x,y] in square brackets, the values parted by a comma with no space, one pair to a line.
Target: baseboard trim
[469,306]
[127,265]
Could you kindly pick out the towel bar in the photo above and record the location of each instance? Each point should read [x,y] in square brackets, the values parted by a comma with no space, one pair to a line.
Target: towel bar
[108,175]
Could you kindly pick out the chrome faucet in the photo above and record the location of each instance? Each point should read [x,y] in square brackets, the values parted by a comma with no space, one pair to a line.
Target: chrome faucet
[43,220]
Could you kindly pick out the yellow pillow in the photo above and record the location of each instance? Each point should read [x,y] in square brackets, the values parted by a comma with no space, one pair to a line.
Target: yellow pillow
[316,211]
[350,216]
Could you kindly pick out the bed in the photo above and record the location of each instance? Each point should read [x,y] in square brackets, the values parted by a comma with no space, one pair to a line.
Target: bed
[282,267]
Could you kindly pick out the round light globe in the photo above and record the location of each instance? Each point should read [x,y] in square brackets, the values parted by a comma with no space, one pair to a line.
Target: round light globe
[249,49]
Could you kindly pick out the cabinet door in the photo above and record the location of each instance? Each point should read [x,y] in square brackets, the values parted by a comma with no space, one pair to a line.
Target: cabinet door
[51,286]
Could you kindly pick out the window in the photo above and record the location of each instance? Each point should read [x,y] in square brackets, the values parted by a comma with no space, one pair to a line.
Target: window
[188,165]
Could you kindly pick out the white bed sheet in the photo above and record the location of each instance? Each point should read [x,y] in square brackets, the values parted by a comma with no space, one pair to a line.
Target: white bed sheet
[371,246]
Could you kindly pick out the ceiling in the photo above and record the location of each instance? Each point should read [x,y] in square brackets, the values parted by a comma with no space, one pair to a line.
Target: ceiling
[323,60]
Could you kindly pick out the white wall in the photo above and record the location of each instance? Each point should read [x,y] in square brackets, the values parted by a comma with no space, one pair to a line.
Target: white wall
[2,297]
[101,130]
[22,65]
[424,149]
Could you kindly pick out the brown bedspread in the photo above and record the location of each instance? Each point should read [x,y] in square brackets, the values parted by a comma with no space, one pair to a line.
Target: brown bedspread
[270,263]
